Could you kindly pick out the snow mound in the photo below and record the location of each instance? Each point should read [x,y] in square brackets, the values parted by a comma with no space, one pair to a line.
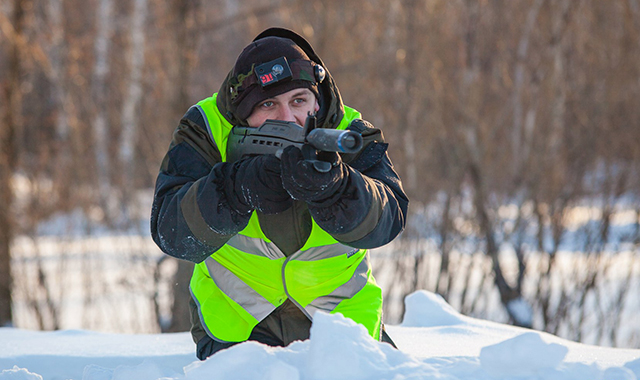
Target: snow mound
[338,349]
[341,349]
[426,309]
[514,357]
[634,366]
[249,360]
[464,349]
[17,373]
[145,371]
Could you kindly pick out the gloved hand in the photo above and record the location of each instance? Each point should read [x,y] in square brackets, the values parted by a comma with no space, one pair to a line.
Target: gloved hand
[255,183]
[305,183]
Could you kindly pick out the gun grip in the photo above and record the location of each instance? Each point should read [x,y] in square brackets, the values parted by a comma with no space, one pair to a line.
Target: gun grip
[310,154]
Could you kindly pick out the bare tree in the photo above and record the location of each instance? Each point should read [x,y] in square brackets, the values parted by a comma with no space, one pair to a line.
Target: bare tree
[24,55]
[104,23]
[131,102]
[505,120]
[11,123]
[185,42]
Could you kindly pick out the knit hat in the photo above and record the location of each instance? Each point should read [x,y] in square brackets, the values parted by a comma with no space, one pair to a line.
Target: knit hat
[260,73]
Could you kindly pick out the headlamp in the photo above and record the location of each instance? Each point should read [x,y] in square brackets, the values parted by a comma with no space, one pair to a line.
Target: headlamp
[277,71]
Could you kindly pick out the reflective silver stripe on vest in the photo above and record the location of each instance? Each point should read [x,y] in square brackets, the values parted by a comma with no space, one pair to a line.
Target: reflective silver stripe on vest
[324,252]
[237,290]
[255,246]
[259,247]
[206,121]
[347,290]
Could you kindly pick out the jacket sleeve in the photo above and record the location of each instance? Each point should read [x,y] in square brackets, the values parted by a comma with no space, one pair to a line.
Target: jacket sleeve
[190,217]
[372,210]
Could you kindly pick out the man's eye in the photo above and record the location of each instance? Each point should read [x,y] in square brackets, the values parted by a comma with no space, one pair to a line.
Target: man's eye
[299,100]
[267,104]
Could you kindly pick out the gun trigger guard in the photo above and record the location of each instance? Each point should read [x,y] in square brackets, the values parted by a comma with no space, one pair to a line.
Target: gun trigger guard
[321,166]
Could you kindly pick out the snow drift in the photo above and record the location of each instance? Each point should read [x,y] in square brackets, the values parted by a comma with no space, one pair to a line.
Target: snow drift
[435,343]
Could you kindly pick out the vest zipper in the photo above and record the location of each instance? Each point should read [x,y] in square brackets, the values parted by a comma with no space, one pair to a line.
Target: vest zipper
[286,261]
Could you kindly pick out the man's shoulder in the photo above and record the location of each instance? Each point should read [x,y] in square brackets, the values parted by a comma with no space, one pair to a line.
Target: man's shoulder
[195,115]
[351,113]
[207,115]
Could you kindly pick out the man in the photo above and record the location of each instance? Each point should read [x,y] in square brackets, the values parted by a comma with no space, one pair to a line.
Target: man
[275,240]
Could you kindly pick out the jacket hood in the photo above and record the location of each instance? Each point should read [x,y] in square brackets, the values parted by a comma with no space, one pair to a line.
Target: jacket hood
[331,106]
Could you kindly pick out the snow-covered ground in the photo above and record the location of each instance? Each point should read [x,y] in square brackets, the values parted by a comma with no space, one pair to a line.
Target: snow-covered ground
[435,343]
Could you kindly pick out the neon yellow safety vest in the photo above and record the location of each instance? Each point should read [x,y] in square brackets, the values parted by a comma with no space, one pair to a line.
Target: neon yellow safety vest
[249,277]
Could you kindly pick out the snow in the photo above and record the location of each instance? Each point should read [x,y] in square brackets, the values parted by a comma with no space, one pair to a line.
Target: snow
[435,342]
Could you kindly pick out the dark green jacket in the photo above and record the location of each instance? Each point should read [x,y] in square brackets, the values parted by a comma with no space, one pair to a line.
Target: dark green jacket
[370,213]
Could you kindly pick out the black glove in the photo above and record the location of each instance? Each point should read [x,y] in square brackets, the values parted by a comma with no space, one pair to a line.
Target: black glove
[255,183]
[305,183]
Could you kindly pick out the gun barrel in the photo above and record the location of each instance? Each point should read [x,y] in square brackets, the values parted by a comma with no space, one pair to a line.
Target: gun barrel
[334,140]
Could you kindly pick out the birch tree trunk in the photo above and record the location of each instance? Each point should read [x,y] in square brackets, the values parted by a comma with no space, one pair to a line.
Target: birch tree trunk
[409,113]
[558,75]
[104,22]
[131,102]
[56,53]
[519,148]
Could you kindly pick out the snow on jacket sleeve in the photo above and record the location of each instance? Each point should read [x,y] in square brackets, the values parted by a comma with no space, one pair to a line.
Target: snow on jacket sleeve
[372,211]
[190,217]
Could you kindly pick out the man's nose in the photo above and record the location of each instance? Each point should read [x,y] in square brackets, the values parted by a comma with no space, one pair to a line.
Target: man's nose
[286,114]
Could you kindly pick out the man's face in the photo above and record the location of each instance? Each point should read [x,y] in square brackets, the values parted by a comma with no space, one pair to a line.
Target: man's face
[292,105]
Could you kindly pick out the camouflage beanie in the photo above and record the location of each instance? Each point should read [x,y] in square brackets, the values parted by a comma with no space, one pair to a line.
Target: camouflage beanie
[261,73]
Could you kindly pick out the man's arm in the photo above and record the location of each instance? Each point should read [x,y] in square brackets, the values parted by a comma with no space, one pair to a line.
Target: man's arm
[361,203]
[191,217]
[371,212]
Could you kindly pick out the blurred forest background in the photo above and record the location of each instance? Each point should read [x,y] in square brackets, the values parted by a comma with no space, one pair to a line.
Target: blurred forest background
[514,125]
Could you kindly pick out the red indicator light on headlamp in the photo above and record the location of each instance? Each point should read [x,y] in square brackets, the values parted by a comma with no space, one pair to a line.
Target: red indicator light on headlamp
[266,79]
